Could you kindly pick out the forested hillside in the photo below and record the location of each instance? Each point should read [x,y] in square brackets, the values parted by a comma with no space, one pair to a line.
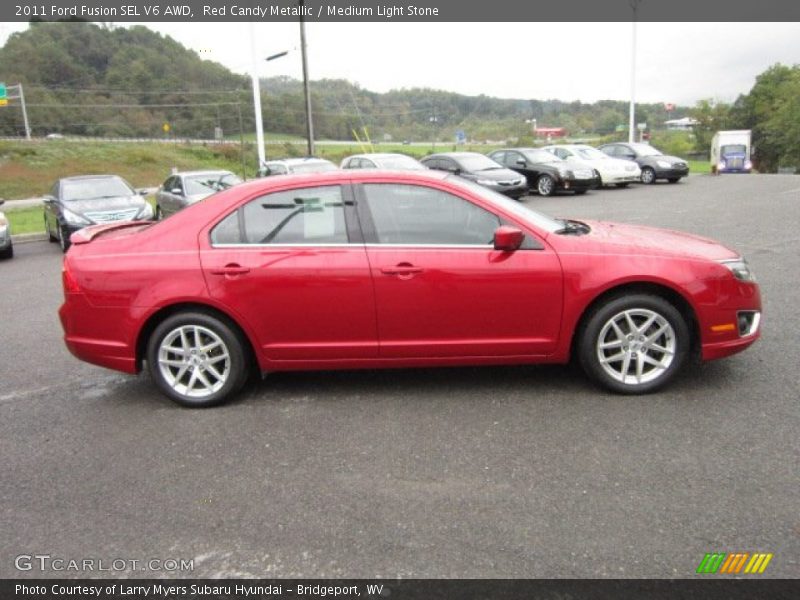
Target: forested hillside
[89,79]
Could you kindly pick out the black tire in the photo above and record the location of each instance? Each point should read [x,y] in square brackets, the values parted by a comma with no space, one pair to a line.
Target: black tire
[674,179]
[7,253]
[545,185]
[648,176]
[50,237]
[159,215]
[235,369]
[63,239]
[616,375]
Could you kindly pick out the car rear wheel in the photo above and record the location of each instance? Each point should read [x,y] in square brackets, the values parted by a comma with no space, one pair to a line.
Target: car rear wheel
[8,252]
[196,359]
[159,215]
[634,344]
[648,175]
[545,185]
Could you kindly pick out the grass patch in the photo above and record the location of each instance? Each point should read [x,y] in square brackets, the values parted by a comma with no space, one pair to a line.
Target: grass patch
[699,166]
[25,220]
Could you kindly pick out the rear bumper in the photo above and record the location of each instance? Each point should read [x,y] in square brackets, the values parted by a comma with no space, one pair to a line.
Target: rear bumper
[671,173]
[87,339]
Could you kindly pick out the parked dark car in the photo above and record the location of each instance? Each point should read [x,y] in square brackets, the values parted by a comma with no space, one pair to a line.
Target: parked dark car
[6,245]
[180,190]
[480,169]
[547,173]
[654,164]
[77,202]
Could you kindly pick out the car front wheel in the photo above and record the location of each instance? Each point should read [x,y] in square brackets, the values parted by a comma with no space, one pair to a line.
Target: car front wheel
[634,344]
[545,185]
[63,238]
[196,359]
[648,175]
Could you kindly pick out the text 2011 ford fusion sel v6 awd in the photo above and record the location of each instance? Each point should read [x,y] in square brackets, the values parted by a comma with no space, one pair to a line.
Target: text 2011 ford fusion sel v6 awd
[364,269]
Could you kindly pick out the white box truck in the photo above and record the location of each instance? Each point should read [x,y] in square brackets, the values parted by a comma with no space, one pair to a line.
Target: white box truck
[730,152]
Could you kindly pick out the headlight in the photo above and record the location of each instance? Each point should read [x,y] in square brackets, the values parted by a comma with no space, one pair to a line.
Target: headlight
[721,165]
[663,164]
[74,218]
[740,269]
[748,165]
[564,172]
[145,214]
[485,182]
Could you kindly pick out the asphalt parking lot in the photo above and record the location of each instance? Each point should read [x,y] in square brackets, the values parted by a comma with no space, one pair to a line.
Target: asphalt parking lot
[487,472]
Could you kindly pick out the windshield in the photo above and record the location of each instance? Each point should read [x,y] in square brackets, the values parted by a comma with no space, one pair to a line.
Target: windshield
[734,149]
[477,162]
[208,183]
[314,167]
[400,162]
[589,153]
[540,156]
[88,189]
[526,214]
[646,150]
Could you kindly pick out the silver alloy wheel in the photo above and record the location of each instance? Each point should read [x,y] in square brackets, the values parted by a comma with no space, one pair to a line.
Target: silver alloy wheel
[648,175]
[636,346]
[545,185]
[194,361]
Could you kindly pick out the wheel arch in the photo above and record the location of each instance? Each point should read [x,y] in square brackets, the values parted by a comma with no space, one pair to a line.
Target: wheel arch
[167,311]
[670,294]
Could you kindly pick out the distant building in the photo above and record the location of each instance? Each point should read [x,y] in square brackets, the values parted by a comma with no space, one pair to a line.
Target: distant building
[684,124]
[550,132]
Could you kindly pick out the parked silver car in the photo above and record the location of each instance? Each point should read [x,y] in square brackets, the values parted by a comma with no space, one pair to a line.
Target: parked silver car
[180,190]
[381,160]
[288,166]
[6,246]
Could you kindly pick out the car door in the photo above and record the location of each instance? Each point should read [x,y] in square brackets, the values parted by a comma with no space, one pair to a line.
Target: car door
[292,265]
[168,200]
[517,162]
[442,290]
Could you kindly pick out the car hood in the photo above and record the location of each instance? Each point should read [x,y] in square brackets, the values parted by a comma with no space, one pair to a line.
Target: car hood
[639,239]
[104,204]
[666,157]
[496,174]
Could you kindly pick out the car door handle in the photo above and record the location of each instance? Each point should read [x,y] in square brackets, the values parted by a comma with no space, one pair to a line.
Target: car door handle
[401,269]
[231,269]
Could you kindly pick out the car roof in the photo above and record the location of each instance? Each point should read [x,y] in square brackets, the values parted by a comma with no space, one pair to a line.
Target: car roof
[84,177]
[298,161]
[206,172]
[379,155]
[454,154]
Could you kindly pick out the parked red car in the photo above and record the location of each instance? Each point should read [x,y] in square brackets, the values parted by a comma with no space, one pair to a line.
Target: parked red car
[356,269]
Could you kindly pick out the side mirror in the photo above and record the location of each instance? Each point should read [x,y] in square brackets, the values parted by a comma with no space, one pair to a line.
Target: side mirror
[2,202]
[457,171]
[48,199]
[630,156]
[176,191]
[142,192]
[521,162]
[507,238]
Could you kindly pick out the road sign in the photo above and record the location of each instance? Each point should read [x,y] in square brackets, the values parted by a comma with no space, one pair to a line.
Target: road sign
[461,137]
[165,127]
[3,94]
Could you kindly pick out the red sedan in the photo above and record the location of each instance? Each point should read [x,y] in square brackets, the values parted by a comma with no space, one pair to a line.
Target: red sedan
[365,269]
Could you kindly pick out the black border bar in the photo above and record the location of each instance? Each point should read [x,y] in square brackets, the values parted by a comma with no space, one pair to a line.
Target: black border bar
[705,588]
[188,11]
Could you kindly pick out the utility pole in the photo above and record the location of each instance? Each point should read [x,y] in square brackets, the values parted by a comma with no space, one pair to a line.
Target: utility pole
[309,122]
[631,113]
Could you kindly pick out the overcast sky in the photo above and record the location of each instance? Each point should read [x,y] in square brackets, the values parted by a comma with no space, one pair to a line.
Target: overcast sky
[676,62]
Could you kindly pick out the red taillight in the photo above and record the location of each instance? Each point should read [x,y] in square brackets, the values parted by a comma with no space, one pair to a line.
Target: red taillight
[70,284]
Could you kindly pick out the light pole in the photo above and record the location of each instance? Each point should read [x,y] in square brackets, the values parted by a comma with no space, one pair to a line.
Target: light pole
[434,120]
[309,122]
[631,113]
[257,98]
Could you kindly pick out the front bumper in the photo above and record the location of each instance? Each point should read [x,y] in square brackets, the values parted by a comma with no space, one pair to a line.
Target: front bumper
[723,330]
[570,184]
[672,173]
[512,191]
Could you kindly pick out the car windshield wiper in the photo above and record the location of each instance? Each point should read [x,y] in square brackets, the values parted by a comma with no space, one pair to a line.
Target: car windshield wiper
[573,227]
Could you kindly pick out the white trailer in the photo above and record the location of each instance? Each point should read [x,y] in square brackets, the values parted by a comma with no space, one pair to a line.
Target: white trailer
[730,152]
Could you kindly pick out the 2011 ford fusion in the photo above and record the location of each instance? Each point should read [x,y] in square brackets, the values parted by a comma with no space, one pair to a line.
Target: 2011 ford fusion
[367,268]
